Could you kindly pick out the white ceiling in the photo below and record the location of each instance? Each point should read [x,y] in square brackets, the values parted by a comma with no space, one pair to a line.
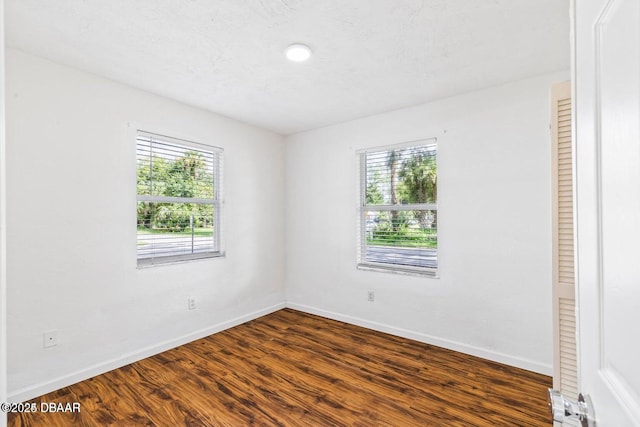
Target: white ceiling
[226,56]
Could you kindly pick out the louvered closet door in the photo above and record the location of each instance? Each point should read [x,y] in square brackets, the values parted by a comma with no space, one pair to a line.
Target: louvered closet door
[565,373]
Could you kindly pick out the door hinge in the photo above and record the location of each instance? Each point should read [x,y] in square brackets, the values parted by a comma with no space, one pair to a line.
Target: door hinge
[562,408]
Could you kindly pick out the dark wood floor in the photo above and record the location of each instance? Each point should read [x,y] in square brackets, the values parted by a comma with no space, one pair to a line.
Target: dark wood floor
[295,369]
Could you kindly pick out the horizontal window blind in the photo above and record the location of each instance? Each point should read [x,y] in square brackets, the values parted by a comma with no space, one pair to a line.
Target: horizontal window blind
[398,210]
[178,208]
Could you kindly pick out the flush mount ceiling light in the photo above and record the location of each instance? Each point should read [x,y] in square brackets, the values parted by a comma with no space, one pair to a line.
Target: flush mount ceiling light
[298,52]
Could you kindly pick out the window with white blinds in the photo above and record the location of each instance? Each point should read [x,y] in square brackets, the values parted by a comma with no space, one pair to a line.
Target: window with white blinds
[398,213]
[178,199]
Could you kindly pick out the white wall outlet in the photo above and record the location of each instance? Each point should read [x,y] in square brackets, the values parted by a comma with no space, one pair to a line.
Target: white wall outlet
[371,296]
[191,303]
[50,338]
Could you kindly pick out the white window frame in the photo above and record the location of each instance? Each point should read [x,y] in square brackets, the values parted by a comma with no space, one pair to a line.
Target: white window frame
[215,201]
[363,208]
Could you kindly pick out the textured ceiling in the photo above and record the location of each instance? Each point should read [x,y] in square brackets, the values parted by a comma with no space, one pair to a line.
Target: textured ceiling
[226,56]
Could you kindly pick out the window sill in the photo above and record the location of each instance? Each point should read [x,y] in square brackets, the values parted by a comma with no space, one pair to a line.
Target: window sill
[179,259]
[429,273]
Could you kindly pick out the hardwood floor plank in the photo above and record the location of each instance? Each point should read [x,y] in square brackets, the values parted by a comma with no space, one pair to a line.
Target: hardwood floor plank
[296,369]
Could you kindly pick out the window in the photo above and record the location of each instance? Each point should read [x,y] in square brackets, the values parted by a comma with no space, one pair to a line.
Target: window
[178,199]
[398,212]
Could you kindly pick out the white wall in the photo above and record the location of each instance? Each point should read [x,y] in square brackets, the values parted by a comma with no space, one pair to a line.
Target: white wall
[493,297]
[3,270]
[71,224]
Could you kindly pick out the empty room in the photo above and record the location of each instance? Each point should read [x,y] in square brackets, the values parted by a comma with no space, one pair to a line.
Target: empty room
[320,213]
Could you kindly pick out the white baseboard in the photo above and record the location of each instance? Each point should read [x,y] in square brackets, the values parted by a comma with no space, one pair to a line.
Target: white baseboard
[34,391]
[495,356]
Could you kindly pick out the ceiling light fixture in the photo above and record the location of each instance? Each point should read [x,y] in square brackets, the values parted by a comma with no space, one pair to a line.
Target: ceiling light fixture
[298,52]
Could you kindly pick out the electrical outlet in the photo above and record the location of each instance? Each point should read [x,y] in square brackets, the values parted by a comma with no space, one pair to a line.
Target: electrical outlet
[371,296]
[192,303]
[50,338]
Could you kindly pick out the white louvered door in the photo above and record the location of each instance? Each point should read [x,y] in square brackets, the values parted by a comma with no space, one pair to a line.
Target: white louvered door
[565,375]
